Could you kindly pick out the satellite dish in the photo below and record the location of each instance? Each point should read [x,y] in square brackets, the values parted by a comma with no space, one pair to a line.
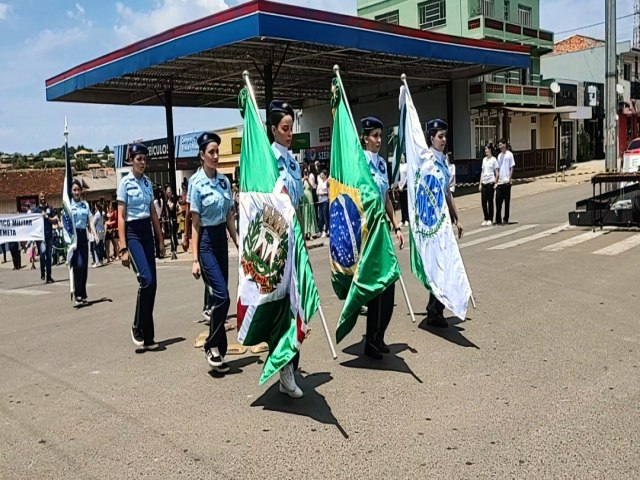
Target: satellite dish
[619,89]
[555,87]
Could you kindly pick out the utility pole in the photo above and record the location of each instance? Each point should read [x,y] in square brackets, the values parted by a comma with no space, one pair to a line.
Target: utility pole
[611,102]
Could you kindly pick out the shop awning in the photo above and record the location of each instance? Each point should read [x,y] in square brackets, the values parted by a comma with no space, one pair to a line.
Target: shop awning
[202,62]
[573,113]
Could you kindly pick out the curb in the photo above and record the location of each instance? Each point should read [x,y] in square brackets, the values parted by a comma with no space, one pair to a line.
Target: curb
[530,179]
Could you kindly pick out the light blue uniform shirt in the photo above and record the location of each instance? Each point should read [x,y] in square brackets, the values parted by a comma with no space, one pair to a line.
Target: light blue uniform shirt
[443,167]
[137,196]
[211,198]
[190,183]
[289,173]
[378,167]
[81,213]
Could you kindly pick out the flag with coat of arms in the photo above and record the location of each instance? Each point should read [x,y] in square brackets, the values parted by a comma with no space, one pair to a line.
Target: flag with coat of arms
[277,296]
[363,260]
[68,225]
[435,256]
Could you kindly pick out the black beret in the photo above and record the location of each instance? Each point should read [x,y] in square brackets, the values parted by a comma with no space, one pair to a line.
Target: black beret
[370,123]
[437,124]
[137,148]
[206,138]
[281,106]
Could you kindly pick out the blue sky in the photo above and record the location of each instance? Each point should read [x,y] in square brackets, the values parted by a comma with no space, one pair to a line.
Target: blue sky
[41,38]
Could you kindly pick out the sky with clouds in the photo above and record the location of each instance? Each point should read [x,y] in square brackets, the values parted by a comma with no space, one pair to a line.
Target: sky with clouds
[41,38]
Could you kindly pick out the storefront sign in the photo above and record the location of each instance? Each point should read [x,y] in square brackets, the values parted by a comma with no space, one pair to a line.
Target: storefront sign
[320,154]
[568,95]
[324,134]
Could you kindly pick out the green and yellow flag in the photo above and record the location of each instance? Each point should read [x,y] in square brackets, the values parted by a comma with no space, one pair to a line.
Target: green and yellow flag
[363,260]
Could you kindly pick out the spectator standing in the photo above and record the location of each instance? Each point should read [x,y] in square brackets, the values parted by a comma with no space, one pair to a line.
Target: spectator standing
[98,226]
[323,203]
[46,247]
[402,188]
[488,178]
[503,183]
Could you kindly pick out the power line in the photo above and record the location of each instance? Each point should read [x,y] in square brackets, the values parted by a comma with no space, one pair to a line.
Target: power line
[592,25]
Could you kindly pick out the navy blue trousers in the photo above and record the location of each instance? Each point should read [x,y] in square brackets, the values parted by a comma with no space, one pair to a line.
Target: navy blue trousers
[142,255]
[379,312]
[79,263]
[213,255]
[46,248]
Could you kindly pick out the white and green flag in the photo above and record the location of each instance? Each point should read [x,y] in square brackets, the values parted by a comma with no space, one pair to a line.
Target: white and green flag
[435,256]
[277,296]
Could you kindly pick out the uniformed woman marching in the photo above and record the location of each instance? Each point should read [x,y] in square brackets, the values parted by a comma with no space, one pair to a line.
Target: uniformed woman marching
[437,141]
[212,217]
[136,217]
[80,260]
[380,308]
[281,116]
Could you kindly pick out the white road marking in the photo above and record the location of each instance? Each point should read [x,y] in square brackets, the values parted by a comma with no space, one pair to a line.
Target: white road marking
[497,235]
[532,238]
[24,291]
[572,242]
[619,247]
[479,230]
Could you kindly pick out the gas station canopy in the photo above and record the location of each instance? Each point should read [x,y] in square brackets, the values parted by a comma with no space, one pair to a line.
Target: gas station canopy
[290,52]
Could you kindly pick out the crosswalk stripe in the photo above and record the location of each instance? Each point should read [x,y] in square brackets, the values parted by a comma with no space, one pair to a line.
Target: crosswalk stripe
[497,235]
[32,293]
[473,232]
[572,242]
[532,238]
[619,247]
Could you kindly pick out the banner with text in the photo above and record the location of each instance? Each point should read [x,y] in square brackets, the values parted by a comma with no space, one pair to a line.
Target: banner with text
[25,227]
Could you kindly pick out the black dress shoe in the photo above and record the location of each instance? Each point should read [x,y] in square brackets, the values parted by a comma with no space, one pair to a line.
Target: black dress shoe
[437,321]
[50,280]
[383,347]
[370,350]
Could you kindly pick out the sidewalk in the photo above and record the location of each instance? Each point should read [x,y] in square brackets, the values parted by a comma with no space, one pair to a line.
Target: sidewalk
[578,173]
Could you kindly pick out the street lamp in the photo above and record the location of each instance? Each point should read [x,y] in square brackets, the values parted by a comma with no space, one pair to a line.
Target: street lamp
[555,88]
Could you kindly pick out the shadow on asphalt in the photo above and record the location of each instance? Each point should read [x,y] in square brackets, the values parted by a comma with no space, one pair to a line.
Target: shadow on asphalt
[312,405]
[390,363]
[452,334]
[236,366]
[162,346]
[93,302]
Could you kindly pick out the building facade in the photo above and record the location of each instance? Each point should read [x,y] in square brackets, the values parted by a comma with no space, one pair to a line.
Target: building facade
[508,104]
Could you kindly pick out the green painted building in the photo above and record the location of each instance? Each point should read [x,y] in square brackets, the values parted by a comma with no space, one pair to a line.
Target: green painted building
[490,96]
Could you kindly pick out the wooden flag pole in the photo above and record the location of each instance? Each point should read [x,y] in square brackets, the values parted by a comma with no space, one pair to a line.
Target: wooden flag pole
[406,297]
[326,332]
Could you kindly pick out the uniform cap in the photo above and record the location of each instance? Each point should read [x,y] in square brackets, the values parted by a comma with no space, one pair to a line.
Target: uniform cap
[138,148]
[206,138]
[281,106]
[371,123]
[437,124]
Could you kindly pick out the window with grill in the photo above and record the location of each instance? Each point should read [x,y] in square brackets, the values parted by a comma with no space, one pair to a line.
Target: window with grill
[488,8]
[432,13]
[389,17]
[507,7]
[524,15]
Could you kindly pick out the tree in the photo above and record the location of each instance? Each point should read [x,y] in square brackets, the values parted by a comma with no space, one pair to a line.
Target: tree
[106,149]
[111,163]
[21,163]
[81,164]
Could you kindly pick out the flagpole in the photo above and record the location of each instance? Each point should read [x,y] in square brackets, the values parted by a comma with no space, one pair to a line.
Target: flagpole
[326,332]
[336,70]
[247,82]
[406,297]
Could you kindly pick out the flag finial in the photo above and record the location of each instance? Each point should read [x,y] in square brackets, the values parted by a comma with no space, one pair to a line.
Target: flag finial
[403,77]
[336,68]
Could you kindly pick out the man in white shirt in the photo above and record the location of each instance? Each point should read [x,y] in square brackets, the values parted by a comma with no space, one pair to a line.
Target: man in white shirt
[503,184]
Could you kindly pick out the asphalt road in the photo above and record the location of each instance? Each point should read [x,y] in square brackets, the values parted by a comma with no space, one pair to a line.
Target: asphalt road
[541,380]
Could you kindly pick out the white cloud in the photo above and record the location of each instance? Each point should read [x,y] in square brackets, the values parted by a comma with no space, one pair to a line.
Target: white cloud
[134,25]
[78,15]
[5,10]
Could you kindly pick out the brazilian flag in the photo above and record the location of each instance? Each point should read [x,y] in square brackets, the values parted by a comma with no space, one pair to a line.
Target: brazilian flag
[363,260]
